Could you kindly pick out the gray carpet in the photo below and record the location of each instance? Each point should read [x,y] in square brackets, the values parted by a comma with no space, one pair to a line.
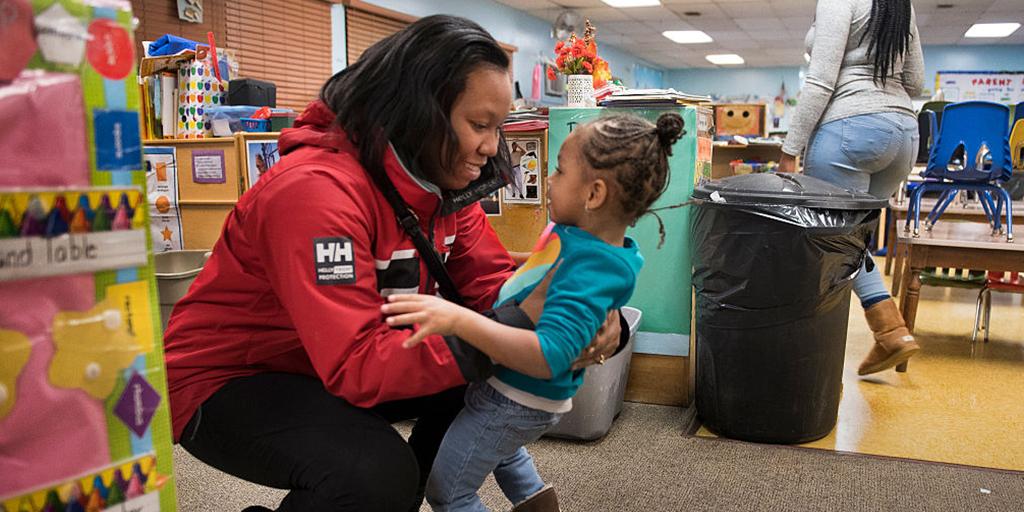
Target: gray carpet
[647,464]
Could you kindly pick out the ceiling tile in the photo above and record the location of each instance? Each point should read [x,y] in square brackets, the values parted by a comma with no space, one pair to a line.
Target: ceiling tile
[658,13]
[941,37]
[614,39]
[596,14]
[1005,5]
[768,35]
[661,26]
[581,3]
[801,24]
[758,24]
[1002,16]
[741,44]
[793,4]
[727,35]
[706,9]
[793,12]
[707,24]
[747,9]
[650,36]
[529,4]
[624,27]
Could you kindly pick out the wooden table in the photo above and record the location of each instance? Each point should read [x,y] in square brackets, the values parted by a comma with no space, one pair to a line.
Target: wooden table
[955,212]
[952,245]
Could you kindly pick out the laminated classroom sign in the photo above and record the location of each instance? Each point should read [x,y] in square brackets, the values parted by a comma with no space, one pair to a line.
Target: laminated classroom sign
[84,416]
[162,191]
[92,40]
[83,407]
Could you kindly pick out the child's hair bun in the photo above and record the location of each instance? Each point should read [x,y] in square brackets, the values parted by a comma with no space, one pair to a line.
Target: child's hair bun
[669,129]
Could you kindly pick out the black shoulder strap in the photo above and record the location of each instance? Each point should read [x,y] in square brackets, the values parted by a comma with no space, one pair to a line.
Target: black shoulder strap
[411,224]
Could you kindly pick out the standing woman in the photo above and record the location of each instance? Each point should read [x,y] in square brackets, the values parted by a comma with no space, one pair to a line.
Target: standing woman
[856,113]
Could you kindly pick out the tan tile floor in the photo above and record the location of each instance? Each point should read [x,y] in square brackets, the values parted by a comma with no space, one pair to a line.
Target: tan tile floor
[958,403]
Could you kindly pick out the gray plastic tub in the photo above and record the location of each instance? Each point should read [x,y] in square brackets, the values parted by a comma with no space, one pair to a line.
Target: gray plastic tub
[175,271]
[599,400]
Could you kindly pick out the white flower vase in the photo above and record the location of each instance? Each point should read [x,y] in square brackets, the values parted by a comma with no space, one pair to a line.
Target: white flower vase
[580,91]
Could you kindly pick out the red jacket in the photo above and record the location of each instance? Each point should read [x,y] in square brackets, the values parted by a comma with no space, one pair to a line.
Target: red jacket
[296,279]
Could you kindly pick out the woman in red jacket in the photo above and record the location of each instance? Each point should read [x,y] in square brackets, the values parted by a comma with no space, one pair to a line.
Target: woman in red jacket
[281,370]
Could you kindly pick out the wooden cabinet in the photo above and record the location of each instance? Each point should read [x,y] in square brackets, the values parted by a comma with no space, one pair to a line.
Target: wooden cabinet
[212,174]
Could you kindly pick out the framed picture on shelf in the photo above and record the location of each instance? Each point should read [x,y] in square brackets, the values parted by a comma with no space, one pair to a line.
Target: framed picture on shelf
[261,156]
[554,87]
[525,187]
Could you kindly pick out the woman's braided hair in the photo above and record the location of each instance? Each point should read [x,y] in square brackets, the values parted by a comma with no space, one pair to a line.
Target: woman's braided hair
[636,152]
[890,32]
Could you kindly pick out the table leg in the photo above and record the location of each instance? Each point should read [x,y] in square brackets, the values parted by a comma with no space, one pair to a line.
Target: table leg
[912,294]
[890,239]
[900,259]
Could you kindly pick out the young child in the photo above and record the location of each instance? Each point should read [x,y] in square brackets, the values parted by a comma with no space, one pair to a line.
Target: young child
[609,173]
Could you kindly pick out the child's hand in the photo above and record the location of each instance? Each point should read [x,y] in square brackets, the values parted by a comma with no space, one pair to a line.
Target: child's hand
[433,314]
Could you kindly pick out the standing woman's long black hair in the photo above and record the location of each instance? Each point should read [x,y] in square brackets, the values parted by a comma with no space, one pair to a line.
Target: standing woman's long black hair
[889,30]
[401,90]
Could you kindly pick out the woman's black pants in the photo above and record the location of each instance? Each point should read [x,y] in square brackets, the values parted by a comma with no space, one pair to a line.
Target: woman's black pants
[286,431]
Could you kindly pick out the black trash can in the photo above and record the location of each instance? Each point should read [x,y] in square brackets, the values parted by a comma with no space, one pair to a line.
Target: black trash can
[774,259]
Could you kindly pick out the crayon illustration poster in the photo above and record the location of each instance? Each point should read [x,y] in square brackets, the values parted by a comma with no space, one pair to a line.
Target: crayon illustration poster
[162,194]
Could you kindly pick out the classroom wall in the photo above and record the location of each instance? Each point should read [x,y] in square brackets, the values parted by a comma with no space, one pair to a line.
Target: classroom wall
[735,82]
[531,35]
[765,81]
[971,58]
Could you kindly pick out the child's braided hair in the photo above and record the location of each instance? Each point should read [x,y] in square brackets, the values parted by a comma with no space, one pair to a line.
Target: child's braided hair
[637,152]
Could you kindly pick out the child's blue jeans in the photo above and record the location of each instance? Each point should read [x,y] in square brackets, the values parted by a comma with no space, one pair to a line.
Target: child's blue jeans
[487,436]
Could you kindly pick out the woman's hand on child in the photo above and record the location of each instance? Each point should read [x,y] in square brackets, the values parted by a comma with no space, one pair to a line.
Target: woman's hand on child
[434,315]
[533,304]
[604,344]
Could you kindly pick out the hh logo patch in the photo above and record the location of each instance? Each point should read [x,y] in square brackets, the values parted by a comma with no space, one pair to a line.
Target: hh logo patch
[334,261]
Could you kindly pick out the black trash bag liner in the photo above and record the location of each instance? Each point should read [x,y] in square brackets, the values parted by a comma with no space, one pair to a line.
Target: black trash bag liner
[773,285]
[776,261]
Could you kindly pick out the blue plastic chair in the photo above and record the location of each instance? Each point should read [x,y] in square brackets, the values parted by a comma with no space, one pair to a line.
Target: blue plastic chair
[971,152]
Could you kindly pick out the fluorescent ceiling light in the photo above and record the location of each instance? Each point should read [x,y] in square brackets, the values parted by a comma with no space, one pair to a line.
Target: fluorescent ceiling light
[687,36]
[725,59]
[632,3]
[992,29]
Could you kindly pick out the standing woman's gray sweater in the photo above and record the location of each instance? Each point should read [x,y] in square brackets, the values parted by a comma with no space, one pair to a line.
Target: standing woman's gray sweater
[840,80]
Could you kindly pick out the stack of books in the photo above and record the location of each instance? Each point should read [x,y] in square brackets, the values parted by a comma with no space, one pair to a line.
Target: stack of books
[652,98]
[526,120]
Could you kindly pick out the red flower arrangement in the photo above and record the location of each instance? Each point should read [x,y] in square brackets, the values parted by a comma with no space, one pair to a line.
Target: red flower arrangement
[576,56]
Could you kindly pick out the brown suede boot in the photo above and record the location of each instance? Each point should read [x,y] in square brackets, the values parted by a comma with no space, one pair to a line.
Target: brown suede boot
[543,500]
[893,342]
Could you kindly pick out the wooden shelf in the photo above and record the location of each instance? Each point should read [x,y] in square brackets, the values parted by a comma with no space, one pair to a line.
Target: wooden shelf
[721,155]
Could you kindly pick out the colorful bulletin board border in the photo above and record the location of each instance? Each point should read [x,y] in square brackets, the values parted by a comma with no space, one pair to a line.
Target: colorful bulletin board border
[134,484]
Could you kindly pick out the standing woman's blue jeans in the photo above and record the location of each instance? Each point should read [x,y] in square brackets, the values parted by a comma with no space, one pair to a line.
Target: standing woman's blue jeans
[869,153]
